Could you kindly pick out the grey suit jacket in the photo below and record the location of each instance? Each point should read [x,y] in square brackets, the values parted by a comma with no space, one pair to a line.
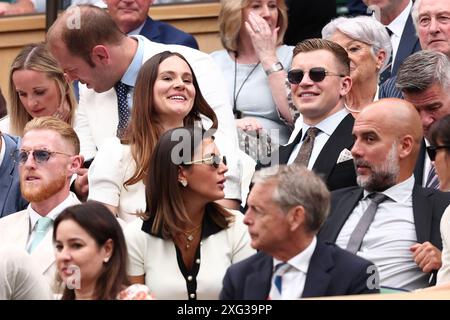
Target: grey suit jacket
[10,196]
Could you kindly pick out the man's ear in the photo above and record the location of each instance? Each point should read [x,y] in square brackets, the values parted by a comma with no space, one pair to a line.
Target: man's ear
[100,55]
[76,163]
[405,146]
[296,216]
[346,85]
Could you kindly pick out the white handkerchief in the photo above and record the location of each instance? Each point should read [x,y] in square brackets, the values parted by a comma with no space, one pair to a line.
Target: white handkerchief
[344,156]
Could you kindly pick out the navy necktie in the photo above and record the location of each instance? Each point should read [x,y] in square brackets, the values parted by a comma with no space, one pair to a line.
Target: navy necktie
[123,109]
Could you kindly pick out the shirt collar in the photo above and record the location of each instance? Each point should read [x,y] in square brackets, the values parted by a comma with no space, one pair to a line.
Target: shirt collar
[400,192]
[136,31]
[327,125]
[398,24]
[129,78]
[209,227]
[301,260]
[54,213]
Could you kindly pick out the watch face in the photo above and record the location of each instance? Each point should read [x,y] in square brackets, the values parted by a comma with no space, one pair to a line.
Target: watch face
[274,68]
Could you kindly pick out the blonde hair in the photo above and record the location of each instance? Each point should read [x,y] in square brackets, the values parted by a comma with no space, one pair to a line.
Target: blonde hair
[62,128]
[36,57]
[230,22]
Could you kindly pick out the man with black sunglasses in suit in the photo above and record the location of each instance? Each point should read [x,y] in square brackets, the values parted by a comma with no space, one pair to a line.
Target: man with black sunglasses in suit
[322,137]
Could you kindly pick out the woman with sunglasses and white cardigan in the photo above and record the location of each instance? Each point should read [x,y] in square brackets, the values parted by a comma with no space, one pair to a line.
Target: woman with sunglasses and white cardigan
[187,241]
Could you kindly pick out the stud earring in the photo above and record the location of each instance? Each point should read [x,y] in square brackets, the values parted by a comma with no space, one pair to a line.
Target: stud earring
[184,183]
[106,260]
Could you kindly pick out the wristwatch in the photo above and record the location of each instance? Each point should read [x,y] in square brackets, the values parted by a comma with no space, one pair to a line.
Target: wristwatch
[277,66]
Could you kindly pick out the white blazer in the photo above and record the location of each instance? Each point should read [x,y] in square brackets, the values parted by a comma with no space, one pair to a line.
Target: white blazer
[97,116]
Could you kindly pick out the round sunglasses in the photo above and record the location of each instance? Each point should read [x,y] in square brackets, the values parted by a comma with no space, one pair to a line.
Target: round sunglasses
[316,74]
[40,156]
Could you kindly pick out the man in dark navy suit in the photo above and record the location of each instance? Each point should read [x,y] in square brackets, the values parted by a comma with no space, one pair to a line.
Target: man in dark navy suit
[131,16]
[395,15]
[286,208]
[396,221]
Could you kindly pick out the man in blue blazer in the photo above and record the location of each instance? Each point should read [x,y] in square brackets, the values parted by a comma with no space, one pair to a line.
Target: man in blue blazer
[10,197]
[402,235]
[132,18]
[286,208]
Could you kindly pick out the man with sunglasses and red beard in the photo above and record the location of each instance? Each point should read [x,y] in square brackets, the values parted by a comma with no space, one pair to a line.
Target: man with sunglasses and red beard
[322,138]
[389,219]
[47,157]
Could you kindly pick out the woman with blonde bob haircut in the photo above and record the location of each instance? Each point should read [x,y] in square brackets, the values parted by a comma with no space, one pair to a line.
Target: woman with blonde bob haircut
[37,87]
[254,63]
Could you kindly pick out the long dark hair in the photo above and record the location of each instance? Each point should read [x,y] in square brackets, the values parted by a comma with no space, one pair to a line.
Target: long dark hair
[101,225]
[144,129]
[163,191]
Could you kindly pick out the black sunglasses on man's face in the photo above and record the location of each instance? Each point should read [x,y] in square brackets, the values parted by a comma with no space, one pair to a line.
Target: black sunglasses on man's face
[316,74]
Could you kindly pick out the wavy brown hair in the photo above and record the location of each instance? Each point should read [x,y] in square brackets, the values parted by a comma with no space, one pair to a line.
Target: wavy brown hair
[144,129]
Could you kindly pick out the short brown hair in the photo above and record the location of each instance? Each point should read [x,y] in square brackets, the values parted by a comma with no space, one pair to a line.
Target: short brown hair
[230,22]
[315,44]
[51,123]
[95,27]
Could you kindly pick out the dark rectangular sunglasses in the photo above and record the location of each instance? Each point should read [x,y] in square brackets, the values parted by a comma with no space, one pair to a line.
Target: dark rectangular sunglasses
[432,150]
[316,74]
[40,156]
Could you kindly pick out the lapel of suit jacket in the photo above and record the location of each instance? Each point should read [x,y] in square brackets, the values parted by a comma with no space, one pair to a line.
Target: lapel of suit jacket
[284,152]
[6,171]
[340,139]
[407,45]
[258,283]
[422,210]
[420,163]
[149,30]
[341,212]
[318,277]
[44,255]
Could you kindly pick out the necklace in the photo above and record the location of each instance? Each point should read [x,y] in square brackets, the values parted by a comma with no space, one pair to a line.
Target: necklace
[189,234]
[236,95]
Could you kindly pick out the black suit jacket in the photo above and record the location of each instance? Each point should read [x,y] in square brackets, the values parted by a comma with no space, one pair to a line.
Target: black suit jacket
[332,271]
[336,175]
[428,207]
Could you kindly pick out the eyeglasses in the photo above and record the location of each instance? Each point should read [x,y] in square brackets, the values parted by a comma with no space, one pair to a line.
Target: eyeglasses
[214,161]
[316,74]
[432,150]
[40,156]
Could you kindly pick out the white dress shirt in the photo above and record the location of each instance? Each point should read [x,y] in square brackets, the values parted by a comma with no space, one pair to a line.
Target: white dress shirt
[53,214]
[397,26]
[327,127]
[389,238]
[295,276]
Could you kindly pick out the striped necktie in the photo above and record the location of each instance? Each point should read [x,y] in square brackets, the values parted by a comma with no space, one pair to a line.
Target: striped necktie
[276,291]
[432,179]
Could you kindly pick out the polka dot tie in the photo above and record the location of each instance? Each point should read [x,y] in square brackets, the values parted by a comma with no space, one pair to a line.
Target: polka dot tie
[124,112]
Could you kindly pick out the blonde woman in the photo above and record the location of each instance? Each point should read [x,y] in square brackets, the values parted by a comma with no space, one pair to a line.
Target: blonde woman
[254,64]
[37,87]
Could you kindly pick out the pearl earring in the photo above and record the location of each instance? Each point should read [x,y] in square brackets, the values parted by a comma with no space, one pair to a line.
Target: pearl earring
[106,260]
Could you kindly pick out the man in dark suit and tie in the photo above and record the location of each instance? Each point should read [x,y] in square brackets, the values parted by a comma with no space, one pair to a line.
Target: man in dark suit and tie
[396,16]
[286,208]
[389,219]
[10,197]
[424,80]
[322,137]
[132,18]
[433,33]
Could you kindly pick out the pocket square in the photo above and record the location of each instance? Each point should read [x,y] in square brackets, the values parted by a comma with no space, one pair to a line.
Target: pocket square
[344,156]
